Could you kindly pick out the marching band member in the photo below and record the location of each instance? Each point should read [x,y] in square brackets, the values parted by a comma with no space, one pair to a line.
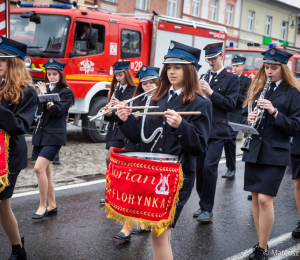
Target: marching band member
[238,65]
[123,91]
[122,88]
[269,152]
[50,133]
[148,77]
[222,88]
[18,103]
[188,135]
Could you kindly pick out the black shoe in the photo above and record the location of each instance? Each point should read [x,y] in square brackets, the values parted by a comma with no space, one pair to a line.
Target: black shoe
[18,252]
[229,174]
[122,236]
[36,216]
[56,159]
[197,213]
[102,201]
[205,216]
[296,231]
[252,255]
[260,254]
[137,231]
[52,211]
[249,197]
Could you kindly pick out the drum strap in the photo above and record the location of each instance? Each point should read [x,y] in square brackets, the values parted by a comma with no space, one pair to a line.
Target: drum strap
[183,158]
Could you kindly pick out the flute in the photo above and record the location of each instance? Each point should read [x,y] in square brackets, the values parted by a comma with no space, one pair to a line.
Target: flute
[163,113]
[135,107]
[51,83]
[128,101]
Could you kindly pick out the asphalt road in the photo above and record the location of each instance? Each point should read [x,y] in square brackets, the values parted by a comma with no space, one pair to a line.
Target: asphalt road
[82,231]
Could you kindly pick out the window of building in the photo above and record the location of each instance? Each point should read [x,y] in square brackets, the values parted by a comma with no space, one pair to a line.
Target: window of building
[130,44]
[89,40]
[142,4]
[196,8]
[213,10]
[284,30]
[229,14]
[250,21]
[187,6]
[268,25]
[172,8]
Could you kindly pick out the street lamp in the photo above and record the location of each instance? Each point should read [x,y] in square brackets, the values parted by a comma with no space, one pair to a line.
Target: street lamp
[292,25]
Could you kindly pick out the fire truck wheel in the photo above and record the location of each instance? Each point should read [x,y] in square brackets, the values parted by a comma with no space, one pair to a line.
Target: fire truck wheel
[94,131]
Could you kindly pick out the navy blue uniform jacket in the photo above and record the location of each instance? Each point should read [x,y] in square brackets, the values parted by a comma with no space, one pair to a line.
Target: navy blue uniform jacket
[272,145]
[190,137]
[113,132]
[235,115]
[16,121]
[296,145]
[226,87]
[52,129]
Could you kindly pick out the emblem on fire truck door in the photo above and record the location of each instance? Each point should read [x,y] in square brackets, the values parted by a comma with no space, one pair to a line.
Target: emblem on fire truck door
[87,66]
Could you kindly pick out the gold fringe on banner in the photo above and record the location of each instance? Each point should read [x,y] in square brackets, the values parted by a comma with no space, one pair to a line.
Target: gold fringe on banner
[4,179]
[157,226]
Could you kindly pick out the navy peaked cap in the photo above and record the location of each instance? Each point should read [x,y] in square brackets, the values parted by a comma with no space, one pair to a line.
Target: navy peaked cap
[147,73]
[213,50]
[54,64]
[276,56]
[10,48]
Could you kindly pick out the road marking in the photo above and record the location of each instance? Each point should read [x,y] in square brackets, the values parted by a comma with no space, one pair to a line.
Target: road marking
[28,193]
[23,194]
[289,252]
[273,242]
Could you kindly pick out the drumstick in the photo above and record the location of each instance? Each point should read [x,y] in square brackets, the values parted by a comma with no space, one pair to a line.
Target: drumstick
[135,107]
[179,113]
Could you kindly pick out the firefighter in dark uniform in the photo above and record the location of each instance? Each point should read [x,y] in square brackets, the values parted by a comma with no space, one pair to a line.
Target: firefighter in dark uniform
[238,65]
[50,133]
[269,151]
[222,88]
[180,135]
[18,102]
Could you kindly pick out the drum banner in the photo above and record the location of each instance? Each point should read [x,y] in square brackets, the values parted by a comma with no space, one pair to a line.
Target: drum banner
[142,192]
[4,144]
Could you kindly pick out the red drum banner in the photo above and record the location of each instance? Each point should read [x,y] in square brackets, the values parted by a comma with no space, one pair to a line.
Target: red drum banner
[4,143]
[144,193]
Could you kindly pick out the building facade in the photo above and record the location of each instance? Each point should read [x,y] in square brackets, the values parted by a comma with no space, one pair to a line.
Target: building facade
[268,21]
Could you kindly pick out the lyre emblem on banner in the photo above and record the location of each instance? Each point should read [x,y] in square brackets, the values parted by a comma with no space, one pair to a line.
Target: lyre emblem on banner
[163,182]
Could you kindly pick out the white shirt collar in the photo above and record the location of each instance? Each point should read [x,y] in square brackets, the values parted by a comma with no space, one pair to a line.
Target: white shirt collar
[123,86]
[178,91]
[52,86]
[145,97]
[218,71]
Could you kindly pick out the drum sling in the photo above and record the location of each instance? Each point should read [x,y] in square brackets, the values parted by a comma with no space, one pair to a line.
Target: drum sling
[142,192]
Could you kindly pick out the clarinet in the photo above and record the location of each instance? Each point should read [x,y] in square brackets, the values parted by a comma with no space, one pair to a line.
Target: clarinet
[207,72]
[256,121]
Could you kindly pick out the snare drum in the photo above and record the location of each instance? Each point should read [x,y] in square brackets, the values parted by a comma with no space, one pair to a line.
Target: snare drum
[158,157]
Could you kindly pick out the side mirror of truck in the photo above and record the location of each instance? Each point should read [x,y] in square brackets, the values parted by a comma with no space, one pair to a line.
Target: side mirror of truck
[71,54]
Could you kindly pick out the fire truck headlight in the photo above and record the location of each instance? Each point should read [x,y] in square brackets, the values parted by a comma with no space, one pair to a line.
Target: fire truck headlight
[28,62]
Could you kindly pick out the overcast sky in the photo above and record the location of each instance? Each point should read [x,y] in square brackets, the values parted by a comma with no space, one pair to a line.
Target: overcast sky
[292,2]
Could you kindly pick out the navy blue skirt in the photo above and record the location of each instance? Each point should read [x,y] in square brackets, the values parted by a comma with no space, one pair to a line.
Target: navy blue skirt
[295,166]
[47,152]
[8,191]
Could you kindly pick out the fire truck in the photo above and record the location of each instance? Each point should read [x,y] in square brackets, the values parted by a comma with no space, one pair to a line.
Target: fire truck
[4,18]
[255,59]
[58,31]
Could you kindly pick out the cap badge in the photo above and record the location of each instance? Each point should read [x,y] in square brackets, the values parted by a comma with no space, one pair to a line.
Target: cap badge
[208,47]
[235,56]
[51,60]
[272,51]
[144,68]
[172,46]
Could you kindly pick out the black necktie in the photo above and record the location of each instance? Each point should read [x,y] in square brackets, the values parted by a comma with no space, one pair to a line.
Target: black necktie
[174,94]
[271,90]
[121,89]
[214,74]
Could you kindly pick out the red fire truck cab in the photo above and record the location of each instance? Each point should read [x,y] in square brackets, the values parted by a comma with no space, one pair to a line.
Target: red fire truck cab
[59,33]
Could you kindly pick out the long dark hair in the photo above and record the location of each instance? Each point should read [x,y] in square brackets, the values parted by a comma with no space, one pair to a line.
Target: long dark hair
[191,84]
[139,89]
[129,81]
[62,83]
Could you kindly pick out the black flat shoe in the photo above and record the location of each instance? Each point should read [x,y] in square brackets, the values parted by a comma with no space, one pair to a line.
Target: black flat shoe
[296,231]
[122,236]
[137,231]
[36,216]
[249,197]
[18,252]
[52,211]
[102,201]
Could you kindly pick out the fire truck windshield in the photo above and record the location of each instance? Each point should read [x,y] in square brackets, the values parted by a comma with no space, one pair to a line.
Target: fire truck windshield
[254,59]
[45,37]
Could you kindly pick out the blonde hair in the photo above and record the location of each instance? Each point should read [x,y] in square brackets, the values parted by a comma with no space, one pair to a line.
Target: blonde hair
[16,81]
[260,80]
